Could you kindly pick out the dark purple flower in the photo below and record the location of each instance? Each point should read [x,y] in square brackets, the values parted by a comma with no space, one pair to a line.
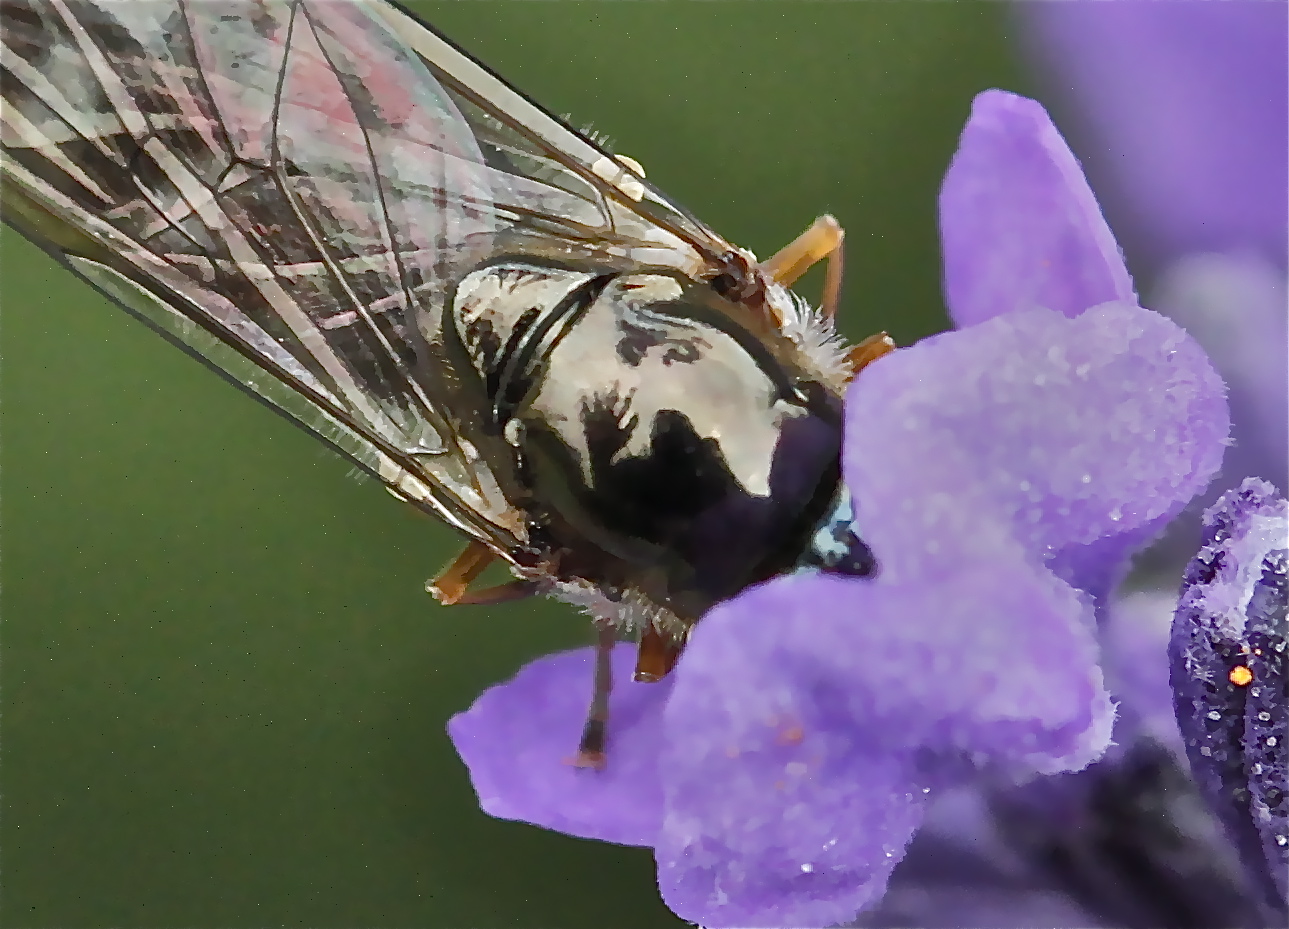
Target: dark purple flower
[1001,473]
[1230,674]
[1126,842]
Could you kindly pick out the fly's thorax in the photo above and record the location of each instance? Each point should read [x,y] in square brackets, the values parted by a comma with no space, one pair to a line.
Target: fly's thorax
[665,446]
[500,314]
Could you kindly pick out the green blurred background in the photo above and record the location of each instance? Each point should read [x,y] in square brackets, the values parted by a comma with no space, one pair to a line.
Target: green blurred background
[224,690]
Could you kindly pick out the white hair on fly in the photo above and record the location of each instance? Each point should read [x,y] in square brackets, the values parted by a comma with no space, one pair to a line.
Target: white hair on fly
[357,475]
[821,344]
[629,611]
[588,129]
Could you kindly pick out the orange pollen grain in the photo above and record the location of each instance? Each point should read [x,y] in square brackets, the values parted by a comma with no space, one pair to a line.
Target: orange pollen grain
[791,736]
[1240,675]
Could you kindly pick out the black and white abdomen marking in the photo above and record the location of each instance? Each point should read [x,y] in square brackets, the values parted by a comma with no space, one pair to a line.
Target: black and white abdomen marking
[664,447]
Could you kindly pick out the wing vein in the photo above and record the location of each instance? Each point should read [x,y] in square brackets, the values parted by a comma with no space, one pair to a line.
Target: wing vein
[413,388]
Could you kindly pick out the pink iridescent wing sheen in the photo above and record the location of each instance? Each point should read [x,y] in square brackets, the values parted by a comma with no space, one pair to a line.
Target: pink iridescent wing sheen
[290,189]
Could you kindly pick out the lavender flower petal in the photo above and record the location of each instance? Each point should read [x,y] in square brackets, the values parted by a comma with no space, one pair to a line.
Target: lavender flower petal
[1048,436]
[972,457]
[1186,103]
[1229,675]
[518,736]
[982,899]
[814,715]
[1019,224]
[1127,841]
[815,869]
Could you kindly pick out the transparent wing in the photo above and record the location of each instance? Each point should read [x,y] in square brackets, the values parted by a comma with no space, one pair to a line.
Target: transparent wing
[560,189]
[209,167]
[291,188]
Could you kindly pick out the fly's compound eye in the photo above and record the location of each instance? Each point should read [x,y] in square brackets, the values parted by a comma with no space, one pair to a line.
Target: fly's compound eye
[855,560]
[838,549]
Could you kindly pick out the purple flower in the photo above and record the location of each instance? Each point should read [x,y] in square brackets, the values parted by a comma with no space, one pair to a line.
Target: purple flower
[1230,674]
[1184,112]
[1001,473]
[1127,842]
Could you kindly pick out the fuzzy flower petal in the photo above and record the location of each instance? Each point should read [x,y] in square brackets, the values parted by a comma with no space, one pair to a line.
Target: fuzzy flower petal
[960,873]
[1020,226]
[1065,438]
[811,714]
[803,749]
[518,736]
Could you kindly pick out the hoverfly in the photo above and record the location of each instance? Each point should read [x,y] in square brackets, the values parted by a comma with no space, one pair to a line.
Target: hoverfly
[479,305]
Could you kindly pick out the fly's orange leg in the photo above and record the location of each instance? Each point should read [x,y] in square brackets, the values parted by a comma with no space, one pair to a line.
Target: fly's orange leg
[657,656]
[590,750]
[823,240]
[518,589]
[451,584]
[868,351]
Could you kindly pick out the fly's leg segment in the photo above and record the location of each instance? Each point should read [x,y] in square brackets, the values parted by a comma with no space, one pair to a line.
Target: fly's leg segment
[590,750]
[657,655]
[868,351]
[453,581]
[823,240]
[656,658]
[518,589]
[452,585]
